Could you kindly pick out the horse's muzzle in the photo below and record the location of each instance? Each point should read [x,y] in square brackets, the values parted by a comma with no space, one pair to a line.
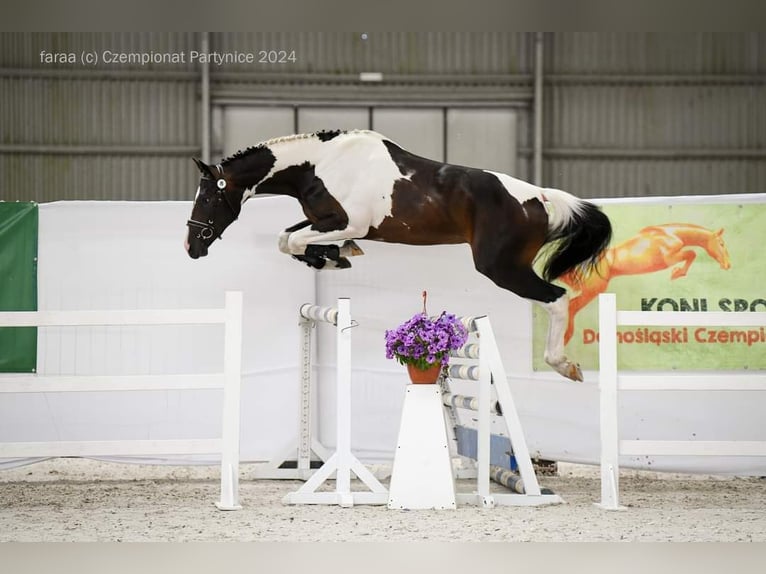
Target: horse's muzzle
[196,250]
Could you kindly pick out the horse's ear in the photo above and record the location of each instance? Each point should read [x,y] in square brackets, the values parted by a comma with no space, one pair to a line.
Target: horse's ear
[203,168]
[719,232]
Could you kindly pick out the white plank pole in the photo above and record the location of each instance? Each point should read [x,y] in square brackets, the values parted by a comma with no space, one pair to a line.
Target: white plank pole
[607,381]
[108,448]
[231,402]
[112,317]
[692,318]
[91,383]
[695,382]
[693,447]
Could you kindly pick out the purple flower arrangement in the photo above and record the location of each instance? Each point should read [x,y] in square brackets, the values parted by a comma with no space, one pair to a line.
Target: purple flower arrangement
[423,341]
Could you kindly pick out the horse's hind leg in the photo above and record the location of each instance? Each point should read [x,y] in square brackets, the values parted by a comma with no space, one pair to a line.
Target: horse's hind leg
[523,281]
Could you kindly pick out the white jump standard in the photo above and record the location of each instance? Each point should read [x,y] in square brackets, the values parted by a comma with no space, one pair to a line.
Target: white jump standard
[342,462]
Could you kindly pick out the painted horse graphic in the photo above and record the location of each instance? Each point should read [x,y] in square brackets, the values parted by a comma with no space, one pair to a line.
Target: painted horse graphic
[655,248]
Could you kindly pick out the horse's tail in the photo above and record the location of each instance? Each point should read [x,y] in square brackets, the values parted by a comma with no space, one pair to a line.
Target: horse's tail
[579,231]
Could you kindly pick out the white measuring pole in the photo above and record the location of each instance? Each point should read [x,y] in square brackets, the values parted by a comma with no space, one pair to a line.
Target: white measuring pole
[304,432]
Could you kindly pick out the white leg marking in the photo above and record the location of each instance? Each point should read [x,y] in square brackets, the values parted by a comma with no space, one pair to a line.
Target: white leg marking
[558,316]
[558,312]
[298,240]
[283,237]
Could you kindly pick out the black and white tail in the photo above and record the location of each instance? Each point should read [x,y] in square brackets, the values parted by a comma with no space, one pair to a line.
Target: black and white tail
[579,231]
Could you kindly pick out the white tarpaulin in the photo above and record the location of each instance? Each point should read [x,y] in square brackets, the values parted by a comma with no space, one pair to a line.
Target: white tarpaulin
[125,255]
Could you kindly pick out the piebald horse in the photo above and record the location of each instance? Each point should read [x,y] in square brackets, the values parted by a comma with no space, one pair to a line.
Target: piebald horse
[361,185]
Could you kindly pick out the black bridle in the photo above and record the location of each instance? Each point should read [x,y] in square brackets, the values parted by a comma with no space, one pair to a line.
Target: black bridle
[207,230]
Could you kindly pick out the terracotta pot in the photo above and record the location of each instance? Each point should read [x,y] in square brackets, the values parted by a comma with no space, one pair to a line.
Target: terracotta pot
[427,376]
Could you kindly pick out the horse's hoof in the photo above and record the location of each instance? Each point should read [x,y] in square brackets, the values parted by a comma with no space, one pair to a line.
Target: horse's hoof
[350,249]
[574,372]
[340,263]
[313,262]
[569,370]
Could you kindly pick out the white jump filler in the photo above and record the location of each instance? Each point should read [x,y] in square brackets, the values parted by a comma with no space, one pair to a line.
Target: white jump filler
[422,477]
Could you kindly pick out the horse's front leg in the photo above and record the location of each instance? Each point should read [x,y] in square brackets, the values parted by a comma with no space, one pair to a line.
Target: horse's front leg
[306,245]
[318,257]
[283,237]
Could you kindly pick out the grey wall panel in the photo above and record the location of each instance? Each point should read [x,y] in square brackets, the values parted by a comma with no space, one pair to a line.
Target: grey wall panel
[312,119]
[420,131]
[45,178]
[247,126]
[656,116]
[627,178]
[655,52]
[99,112]
[483,138]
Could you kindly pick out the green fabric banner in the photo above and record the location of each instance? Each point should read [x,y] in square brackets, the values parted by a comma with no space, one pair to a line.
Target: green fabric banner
[673,257]
[18,284]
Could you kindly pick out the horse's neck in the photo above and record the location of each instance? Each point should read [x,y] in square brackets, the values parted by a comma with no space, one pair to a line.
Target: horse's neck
[258,164]
[698,236]
[296,150]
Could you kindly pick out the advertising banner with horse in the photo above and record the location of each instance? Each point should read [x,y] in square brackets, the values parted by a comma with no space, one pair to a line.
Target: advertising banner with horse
[673,256]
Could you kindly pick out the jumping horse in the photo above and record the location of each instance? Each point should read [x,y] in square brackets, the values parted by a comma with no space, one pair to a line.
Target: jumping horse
[361,185]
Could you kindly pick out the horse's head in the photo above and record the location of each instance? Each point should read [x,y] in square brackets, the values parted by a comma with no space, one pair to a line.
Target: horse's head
[216,206]
[717,249]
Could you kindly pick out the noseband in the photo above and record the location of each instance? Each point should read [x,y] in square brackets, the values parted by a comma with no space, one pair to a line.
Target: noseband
[207,230]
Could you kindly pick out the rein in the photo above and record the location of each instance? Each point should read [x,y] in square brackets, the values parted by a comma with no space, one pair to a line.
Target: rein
[207,230]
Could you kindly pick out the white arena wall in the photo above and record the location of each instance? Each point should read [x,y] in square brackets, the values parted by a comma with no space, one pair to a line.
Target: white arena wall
[120,255]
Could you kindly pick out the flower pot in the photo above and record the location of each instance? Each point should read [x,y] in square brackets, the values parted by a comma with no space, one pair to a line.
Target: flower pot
[427,376]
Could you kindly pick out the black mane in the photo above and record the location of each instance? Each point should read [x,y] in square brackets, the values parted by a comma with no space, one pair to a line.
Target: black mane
[322,135]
